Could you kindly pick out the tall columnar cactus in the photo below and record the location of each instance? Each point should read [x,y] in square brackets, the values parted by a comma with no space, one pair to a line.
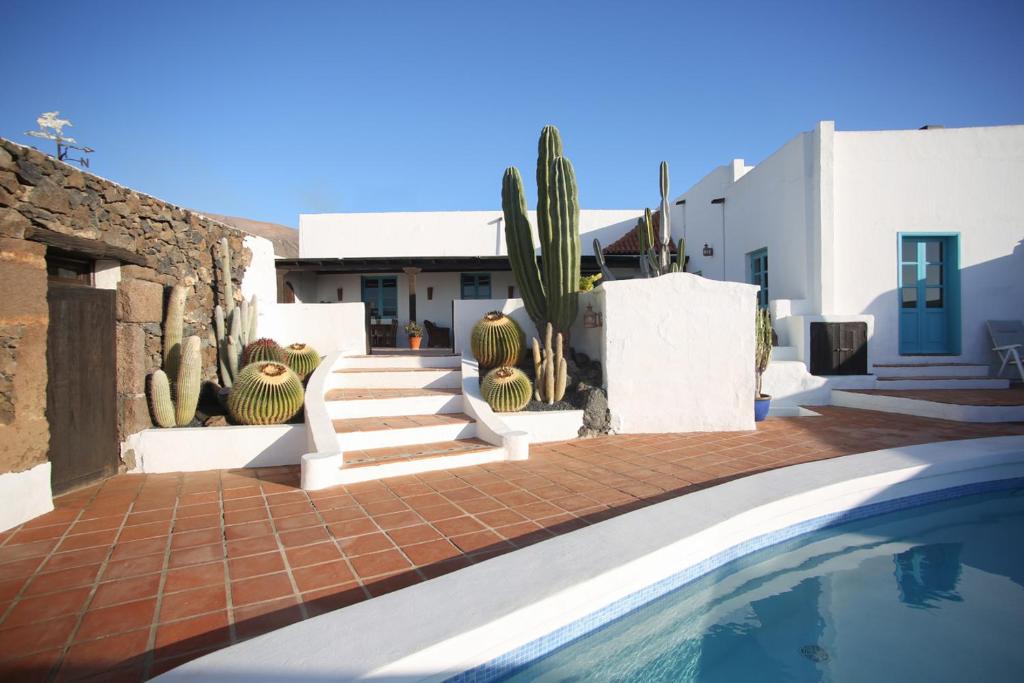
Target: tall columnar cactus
[497,340]
[665,238]
[550,369]
[177,406]
[655,252]
[261,350]
[265,393]
[303,359]
[234,326]
[506,389]
[550,291]
[762,346]
[174,324]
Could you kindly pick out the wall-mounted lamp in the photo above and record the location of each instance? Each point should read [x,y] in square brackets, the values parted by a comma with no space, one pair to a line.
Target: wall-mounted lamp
[592,318]
[430,293]
[708,250]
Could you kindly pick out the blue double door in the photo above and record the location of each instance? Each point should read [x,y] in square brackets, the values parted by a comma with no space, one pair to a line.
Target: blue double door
[929,295]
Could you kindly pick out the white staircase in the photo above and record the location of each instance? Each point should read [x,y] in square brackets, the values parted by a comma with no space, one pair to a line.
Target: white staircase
[928,374]
[397,414]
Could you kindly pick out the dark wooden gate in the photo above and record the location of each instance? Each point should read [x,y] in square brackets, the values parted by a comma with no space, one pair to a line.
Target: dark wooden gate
[839,348]
[81,395]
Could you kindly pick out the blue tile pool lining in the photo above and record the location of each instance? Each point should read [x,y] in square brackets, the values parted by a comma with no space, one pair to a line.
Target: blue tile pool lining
[510,662]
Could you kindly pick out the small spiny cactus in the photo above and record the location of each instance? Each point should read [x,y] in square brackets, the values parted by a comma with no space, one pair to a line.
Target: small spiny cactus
[303,359]
[265,393]
[497,340]
[506,389]
[262,350]
[550,369]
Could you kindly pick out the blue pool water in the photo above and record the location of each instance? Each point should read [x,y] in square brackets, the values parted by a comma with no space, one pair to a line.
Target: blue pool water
[931,593]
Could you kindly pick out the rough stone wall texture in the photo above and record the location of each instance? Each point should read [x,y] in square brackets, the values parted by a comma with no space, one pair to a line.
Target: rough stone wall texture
[178,246]
[24,432]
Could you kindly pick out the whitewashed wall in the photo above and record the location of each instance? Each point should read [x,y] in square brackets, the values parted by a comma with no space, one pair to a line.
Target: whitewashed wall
[327,327]
[965,180]
[260,278]
[679,354]
[441,233]
[699,221]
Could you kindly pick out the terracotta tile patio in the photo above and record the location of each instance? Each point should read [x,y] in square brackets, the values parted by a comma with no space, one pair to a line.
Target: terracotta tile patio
[133,576]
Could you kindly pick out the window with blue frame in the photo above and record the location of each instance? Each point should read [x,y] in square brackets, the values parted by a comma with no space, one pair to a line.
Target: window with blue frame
[758,269]
[476,286]
[380,294]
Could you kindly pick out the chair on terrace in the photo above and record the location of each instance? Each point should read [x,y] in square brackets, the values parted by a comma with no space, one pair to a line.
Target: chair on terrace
[438,337]
[1007,341]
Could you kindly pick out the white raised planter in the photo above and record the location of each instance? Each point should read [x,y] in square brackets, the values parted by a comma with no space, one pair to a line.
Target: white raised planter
[194,449]
[554,425]
[25,495]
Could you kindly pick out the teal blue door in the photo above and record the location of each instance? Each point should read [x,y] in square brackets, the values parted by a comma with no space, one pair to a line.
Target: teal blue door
[929,295]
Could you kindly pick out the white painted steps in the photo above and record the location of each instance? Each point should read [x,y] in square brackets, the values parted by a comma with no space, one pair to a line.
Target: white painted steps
[940,383]
[935,374]
[958,370]
[397,378]
[353,402]
[401,413]
[398,431]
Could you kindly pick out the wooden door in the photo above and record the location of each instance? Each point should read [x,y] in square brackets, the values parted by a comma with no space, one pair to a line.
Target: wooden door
[81,393]
[839,348]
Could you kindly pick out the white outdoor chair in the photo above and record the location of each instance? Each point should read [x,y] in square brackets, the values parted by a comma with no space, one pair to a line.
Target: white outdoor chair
[1007,341]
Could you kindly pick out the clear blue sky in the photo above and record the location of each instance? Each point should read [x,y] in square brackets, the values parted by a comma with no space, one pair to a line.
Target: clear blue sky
[267,110]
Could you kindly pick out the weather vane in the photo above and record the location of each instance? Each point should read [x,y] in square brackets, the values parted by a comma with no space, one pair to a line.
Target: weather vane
[48,122]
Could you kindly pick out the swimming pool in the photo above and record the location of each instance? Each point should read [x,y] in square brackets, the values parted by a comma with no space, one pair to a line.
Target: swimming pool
[932,593]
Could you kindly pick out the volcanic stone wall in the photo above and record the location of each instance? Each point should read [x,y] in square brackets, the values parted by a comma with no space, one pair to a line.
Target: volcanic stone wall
[46,204]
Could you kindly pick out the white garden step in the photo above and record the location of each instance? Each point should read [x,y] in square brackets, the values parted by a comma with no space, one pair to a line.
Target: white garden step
[396,378]
[356,403]
[940,383]
[402,361]
[374,464]
[359,434]
[912,369]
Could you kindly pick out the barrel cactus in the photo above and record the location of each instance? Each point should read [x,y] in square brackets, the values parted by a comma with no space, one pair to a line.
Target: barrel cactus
[261,350]
[265,393]
[506,389]
[302,359]
[497,340]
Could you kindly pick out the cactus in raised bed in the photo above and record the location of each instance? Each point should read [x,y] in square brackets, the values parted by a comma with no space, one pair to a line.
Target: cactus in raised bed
[506,389]
[174,325]
[234,326]
[497,340]
[176,406]
[261,350]
[303,359]
[265,393]
[550,291]
[550,369]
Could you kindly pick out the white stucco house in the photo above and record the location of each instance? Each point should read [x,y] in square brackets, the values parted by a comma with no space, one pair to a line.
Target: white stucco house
[396,262]
[912,237]
[879,252]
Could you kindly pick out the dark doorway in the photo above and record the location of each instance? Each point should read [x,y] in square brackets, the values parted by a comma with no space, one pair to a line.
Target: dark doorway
[81,394]
[839,348]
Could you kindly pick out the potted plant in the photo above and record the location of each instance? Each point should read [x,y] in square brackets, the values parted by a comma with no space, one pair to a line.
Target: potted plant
[415,332]
[762,356]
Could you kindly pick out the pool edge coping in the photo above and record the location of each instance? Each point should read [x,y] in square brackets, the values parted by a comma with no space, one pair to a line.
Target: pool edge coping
[510,608]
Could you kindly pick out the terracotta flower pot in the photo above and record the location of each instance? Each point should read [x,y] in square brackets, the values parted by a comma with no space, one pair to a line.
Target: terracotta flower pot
[414,342]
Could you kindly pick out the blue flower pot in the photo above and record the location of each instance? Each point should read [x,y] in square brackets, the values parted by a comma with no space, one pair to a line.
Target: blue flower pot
[761,406]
